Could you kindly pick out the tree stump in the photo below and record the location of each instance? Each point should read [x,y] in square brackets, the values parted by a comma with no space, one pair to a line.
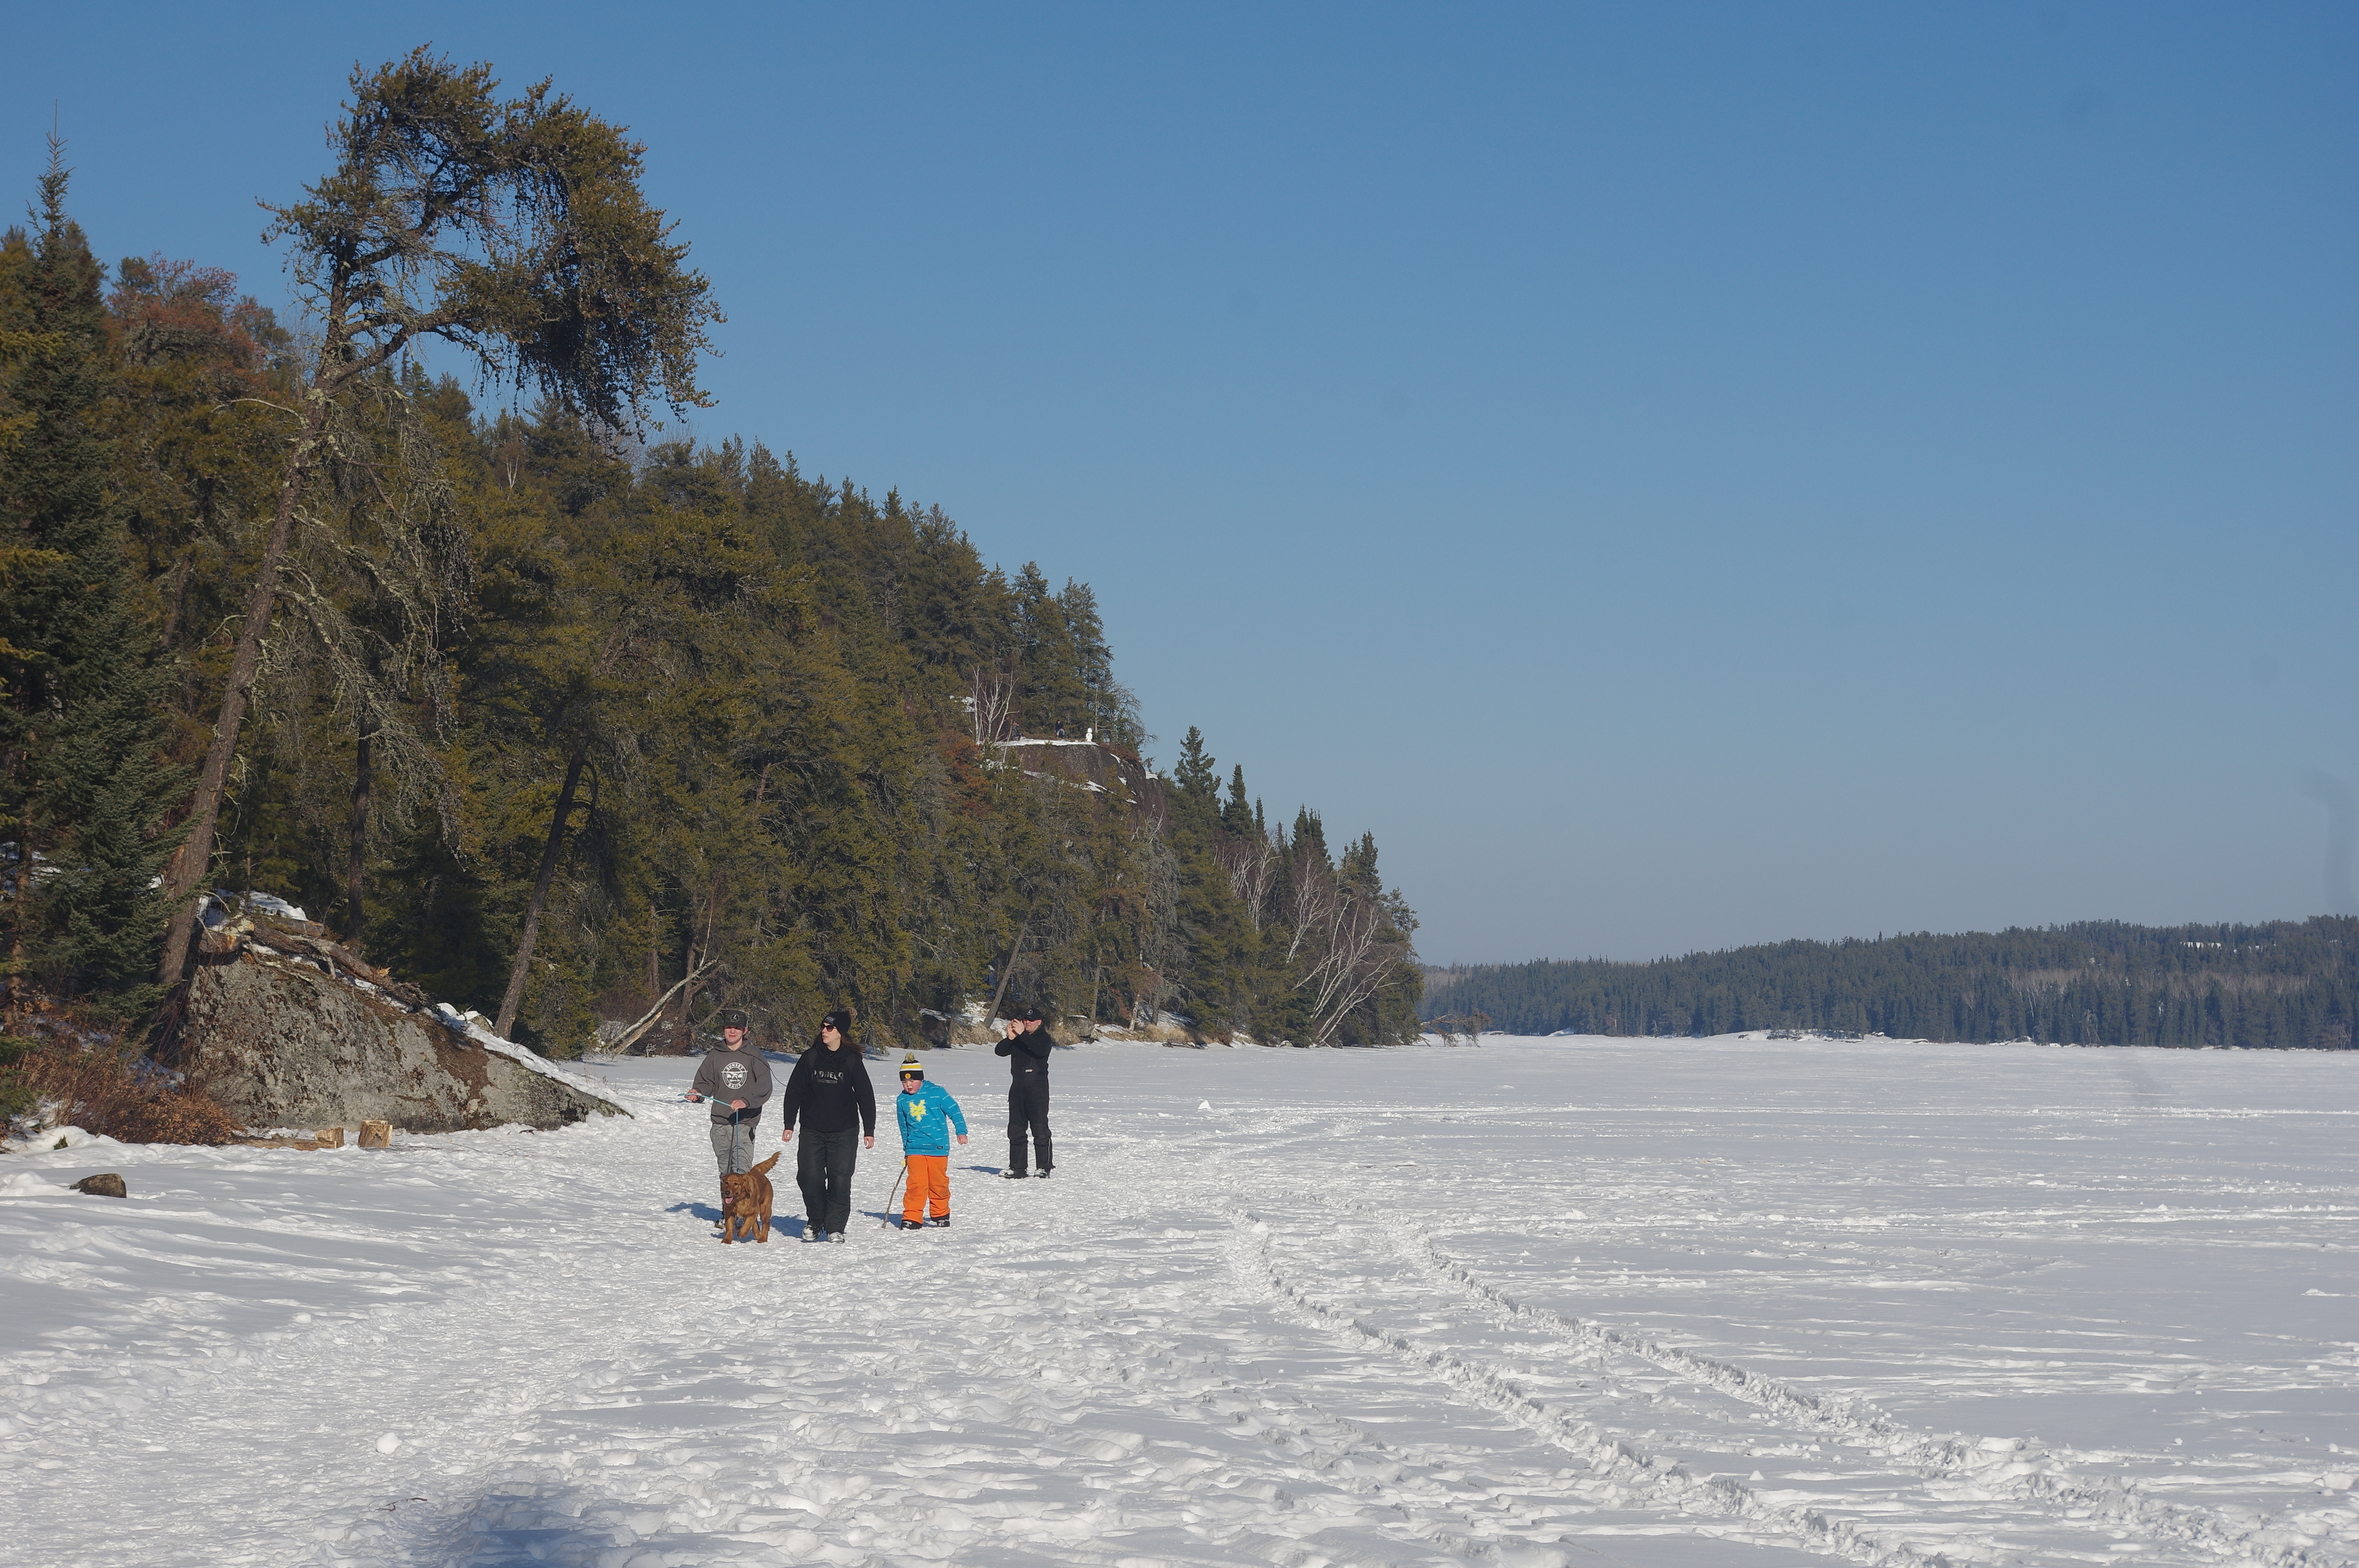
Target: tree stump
[375,1134]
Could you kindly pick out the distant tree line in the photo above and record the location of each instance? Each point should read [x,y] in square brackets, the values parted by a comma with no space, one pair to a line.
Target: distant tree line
[555,721]
[2282,984]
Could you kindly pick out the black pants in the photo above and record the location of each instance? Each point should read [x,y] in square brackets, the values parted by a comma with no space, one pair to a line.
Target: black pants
[824,1170]
[1027,1110]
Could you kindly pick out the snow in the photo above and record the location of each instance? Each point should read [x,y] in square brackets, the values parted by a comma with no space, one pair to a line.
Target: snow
[472,1025]
[1668,1305]
[49,1137]
[217,909]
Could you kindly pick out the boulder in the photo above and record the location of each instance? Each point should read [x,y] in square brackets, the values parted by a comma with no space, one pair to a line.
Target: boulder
[109,1185]
[286,1029]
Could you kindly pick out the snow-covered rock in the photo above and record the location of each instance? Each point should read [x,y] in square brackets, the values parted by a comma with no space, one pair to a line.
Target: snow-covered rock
[286,1029]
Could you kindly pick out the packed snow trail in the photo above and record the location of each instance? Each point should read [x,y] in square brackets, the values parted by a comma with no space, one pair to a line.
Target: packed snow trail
[1612,1302]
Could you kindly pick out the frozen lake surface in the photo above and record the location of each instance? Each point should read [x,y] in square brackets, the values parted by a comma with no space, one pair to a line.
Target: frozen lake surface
[1544,1302]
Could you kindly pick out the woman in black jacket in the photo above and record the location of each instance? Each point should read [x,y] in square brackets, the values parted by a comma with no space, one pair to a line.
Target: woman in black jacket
[830,1089]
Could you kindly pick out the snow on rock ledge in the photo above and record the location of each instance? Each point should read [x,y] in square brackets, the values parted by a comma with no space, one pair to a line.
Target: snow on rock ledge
[285,1028]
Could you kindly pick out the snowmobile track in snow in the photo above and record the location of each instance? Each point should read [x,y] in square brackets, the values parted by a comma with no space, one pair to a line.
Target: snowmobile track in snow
[1617,1459]
[1984,1463]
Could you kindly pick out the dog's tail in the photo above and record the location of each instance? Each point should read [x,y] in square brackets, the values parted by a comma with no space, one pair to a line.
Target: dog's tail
[763,1169]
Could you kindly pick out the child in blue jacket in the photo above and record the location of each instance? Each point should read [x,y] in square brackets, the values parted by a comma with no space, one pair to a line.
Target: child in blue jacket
[925,1114]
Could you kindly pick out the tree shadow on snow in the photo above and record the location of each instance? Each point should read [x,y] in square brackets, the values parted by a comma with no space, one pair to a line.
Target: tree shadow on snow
[555,1522]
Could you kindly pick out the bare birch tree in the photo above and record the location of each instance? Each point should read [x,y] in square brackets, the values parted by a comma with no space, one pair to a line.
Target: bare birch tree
[1253,865]
[991,701]
[1345,943]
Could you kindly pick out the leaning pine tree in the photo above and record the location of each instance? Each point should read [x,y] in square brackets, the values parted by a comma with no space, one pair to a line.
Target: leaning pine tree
[512,229]
[82,783]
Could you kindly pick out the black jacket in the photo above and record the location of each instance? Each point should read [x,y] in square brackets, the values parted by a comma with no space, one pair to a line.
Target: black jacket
[1026,1054]
[831,1090]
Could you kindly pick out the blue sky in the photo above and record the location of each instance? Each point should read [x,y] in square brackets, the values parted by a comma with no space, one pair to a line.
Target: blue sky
[1679,475]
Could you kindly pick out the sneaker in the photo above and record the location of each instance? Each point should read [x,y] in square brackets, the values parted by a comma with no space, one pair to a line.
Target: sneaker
[813,1233]
[1014,1175]
[912,1224]
[1042,1173]
[939,1222]
[836,1236]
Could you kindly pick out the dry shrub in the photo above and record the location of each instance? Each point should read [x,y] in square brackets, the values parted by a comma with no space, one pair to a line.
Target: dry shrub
[99,1092]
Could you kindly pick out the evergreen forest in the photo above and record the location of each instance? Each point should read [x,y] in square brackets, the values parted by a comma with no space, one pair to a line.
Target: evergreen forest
[557,719]
[2278,984]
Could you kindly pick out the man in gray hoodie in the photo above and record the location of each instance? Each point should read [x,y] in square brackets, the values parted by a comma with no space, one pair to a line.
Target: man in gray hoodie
[737,1081]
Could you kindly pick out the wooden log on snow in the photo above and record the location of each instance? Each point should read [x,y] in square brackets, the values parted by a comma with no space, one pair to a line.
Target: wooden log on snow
[375,1134]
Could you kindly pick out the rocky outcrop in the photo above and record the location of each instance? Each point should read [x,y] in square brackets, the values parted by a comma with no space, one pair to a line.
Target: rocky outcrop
[285,1028]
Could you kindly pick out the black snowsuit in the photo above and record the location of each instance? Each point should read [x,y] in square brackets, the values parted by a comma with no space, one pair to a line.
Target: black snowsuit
[831,1091]
[1028,1096]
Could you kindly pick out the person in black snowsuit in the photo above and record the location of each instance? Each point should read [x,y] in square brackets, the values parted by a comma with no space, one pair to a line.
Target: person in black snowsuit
[1027,1049]
[831,1090]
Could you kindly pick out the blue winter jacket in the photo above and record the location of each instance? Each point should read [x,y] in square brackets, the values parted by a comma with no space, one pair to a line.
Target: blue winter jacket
[925,1119]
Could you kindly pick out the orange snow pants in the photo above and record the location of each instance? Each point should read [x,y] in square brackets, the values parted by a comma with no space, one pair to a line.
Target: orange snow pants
[928,1186]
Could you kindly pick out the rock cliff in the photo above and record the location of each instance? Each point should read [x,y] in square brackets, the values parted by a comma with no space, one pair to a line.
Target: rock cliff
[285,1028]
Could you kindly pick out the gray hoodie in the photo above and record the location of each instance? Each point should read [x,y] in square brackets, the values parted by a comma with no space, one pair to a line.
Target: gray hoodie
[725,1076]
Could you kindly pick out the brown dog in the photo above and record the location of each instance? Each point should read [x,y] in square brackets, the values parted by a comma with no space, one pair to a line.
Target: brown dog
[745,1204]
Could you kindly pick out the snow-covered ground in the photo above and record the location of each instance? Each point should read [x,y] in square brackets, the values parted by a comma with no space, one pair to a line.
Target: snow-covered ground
[1543,1302]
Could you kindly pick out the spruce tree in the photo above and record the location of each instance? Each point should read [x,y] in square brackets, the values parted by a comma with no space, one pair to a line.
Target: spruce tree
[1237,816]
[81,752]
[1197,775]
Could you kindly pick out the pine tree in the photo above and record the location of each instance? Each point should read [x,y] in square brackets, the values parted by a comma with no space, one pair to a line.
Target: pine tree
[513,231]
[81,752]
